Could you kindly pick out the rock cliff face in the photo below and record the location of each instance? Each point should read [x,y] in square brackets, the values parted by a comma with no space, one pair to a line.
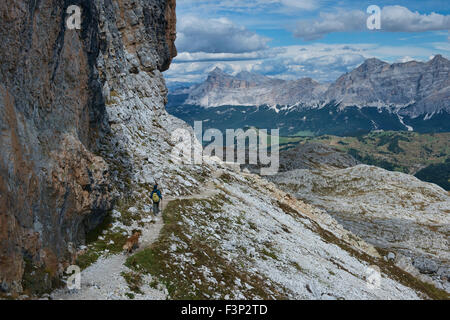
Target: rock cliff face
[56,86]
[421,87]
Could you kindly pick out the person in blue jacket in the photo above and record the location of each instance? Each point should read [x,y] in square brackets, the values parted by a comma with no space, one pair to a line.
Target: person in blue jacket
[156,198]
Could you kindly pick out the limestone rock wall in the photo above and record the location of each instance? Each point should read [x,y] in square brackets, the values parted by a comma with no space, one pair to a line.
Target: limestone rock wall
[54,183]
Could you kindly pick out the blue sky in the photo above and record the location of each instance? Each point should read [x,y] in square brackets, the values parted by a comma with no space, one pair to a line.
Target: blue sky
[291,39]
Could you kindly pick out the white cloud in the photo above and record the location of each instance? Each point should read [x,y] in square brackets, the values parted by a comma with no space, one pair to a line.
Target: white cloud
[205,41]
[245,5]
[401,19]
[319,61]
[442,46]
[208,56]
[216,36]
[301,4]
[393,19]
[329,22]
[405,59]
[322,62]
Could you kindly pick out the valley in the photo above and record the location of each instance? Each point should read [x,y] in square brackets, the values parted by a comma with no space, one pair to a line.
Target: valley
[424,155]
[372,136]
[306,121]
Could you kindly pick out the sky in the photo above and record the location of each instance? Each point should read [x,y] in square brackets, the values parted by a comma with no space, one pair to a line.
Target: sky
[292,39]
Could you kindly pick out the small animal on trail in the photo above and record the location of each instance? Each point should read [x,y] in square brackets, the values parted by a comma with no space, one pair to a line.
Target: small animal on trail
[132,242]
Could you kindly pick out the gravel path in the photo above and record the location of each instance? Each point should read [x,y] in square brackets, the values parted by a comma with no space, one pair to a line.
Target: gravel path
[103,280]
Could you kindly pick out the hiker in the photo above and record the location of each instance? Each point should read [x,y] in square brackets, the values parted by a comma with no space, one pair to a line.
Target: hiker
[156,197]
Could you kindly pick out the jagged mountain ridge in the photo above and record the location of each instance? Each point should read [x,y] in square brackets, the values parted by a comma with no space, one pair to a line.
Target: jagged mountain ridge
[422,87]
[252,89]
[416,88]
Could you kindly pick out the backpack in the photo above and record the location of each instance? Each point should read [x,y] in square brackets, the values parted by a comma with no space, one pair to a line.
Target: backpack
[155,197]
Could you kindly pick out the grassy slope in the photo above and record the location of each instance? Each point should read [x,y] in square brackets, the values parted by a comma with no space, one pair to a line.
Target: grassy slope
[188,279]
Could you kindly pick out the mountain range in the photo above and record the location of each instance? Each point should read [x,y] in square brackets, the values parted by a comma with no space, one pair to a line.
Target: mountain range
[412,88]
[374,96]
[250,89]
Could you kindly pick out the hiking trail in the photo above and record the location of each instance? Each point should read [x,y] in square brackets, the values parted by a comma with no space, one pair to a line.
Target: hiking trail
[103,279]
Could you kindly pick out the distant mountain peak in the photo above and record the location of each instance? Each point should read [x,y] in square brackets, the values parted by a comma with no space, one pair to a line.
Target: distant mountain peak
[254,77]
[217,71]
[412,88]
[308,80]
[371,64]
[218,75]
[248,88]
[439,59]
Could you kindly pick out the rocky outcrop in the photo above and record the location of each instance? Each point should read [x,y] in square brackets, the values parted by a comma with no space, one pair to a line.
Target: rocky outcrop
[391,210]
[312,155]
[50,113]
[55,84]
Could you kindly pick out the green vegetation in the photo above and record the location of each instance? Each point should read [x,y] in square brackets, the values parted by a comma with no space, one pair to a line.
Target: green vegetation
[102,239]
[227,178]
[294,122]
[130,295]
[438,173]
[290,140]
[207,260]
[406,152]
[330,119]
[298,267]
[111,241]
[134,281]
[269,252]
[38,280]
[350,129]
[306,133]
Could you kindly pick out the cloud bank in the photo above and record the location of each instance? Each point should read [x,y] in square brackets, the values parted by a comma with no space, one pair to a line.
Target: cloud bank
[393,19]
[320,61]
[217,36]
